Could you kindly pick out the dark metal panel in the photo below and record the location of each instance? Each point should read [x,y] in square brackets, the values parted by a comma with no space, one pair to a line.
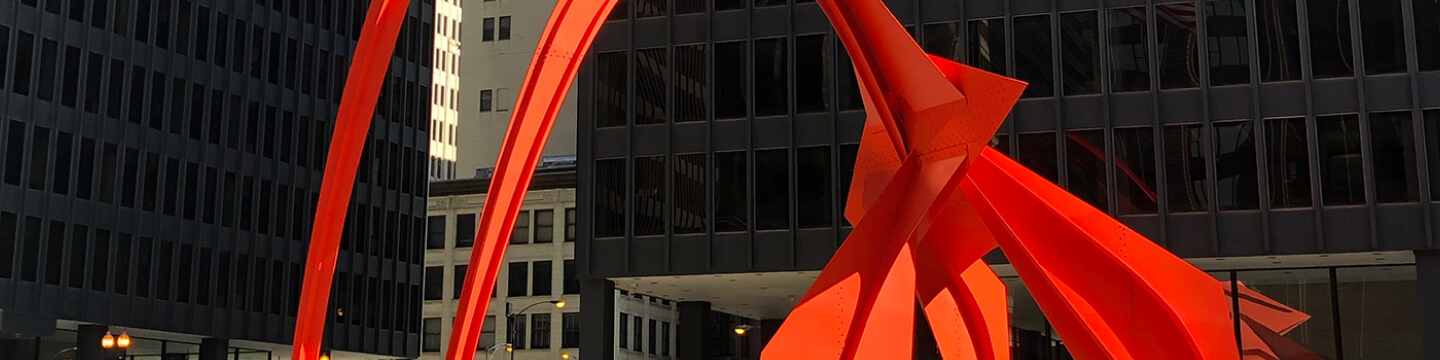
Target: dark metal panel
[690,29]
[648,255]
[649,140]
[689,254]
[1127,109]
[614,35]
[1239,233]
[730,135]
[813,248]
[730,253]
[1347,229]
[1335,96]
[1035,114]
[1231,102]
[1399,226]
[611,142]
[771,132]
[904,10]
[1429,92]
[731,25]
[1282,99]
[849,126]
[656,26]
[1180,106]
[984,9]
[1148,226]
[771,22]
[939,10]
[613,253]
[689,138]
[1031,7]
[1292,231]
[809,18]
[813,129]
[1427,283]
[1189,235]
[1387,93]
[773,251]
[1079,111]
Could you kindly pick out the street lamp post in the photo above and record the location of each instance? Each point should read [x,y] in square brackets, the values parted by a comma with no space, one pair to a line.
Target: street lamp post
[491,350]
[510,319]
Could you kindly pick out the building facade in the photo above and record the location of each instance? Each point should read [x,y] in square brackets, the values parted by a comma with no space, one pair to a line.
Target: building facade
[501,43]
[1291,147]
[445,89]
[161,164]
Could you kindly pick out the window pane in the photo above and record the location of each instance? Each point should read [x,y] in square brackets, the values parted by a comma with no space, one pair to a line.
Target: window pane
[1377,312]
[730,80]
[649,200]
[434,282]
[609,198]
[814,187]
[812,73]
[847,155]
[1432,150]
[1079,52]
[540,331]
[1037,152]
[1330,51]
[521,233]
[1176,46]
[1287,145]
[650,70]
[1341,182]
[721,5]
[518,279]
[487,29]
[1129,54]
[649,8]
[610,93]
[9,224]
[570,330]
[1304,291]
[572,278]
[689,6]
[986,50]
[570,217]
[1427,34]
[1085,167]
[941,39]
[772,189]
[771,77]
[504,32]
[24,59]
[1392,148]
[465,227]
[731,191]
[39,152]
[1236,179]
[544,226]
[689,185]
[1034,55]
[1382,27]
[435,234]
[432,334]
[1228,42]
[847,85]
[541,284]
[690,83]
[47,70]
[1185,167]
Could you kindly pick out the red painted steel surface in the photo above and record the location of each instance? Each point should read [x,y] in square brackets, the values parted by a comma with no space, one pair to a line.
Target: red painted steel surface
[567,37]
[352,122]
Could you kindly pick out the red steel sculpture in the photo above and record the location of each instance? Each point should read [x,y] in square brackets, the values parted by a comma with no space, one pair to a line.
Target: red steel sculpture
[928,200]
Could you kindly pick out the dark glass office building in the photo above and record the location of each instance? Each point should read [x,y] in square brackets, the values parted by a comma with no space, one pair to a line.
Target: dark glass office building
[1289,147]
[161,164]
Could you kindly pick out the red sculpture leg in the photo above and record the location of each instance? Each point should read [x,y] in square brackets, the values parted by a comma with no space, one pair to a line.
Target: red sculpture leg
[567,37]
[965,301]
[1111,293]
[352,122]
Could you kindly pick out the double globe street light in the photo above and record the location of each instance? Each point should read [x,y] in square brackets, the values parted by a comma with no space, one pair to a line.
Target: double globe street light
[510,322]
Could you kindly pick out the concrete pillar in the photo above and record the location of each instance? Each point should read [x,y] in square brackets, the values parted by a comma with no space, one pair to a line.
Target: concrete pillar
[214,349]
[768,327]
[1427,264]
[691,331]
[87,342]
[597,321]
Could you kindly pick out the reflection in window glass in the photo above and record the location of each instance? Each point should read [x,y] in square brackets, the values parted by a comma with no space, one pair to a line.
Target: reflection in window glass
[730,80]
[772,189]
[1278,39]
[520,234]
[1330,52]
[609,198]
[649,200]
[847,84]
[689,184]
[1236,178]
[771,77]
[763,3]
[689,6]
[1001,143]
[1079,53]
[814,187]
[1129,66]
[1432,150]
[1033,55]
[731,196]
[649,8]
[847,155]
[610,95]
[1085,167]
[1176,47]
[1427,34]
[1377,312]
[986,50]
[1037,152]
[1185,167]
[722,5]
[1382,31]
[812,73]
[1288,164]
[650,70]
[1341,179]
[690,83]
[1392,148]
[24,60]
[1306,291]
[1227,41]
[942,39]
[621,10]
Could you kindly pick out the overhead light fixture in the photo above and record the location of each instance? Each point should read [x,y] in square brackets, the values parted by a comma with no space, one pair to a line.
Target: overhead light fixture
[742,329]
[559,304]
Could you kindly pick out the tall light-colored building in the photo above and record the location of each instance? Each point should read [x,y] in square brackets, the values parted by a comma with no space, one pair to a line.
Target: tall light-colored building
[445,91]
[500,41]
